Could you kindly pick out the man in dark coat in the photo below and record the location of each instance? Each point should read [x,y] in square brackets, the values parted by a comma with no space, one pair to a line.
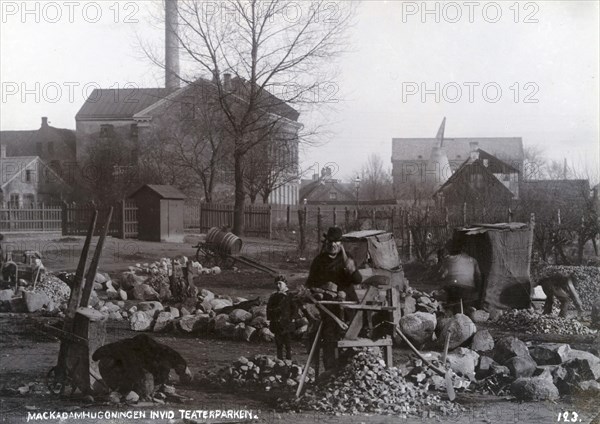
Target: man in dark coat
[280,313]
[333,267]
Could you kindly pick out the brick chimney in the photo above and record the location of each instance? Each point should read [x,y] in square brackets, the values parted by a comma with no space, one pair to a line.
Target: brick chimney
[171,45]
[44,121]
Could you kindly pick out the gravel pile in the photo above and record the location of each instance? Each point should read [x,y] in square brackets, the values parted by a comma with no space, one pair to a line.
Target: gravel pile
[260,372]
[585,278]
[367,385]
[56,289]
[535,323]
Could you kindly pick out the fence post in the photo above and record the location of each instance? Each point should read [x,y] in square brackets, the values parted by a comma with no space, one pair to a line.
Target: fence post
[464,211]
[558,216]
[347,217]
[43,218]
[446,219]
[374,223]
[270,212]
[287,218]
[393,212]
[319,223]
[409,237]
[334,217]
[63,218]
[122,235]
[509,215]
[302,229]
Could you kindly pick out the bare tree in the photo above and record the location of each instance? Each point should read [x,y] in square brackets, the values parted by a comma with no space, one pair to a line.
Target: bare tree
[376,180]
[264,46]
[535,163]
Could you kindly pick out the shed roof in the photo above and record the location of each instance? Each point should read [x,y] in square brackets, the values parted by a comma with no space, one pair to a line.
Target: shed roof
[164,191]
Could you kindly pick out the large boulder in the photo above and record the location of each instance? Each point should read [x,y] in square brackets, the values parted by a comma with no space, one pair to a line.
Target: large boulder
[535,388]
[6,295]
[482,341]
[459,328]
[550,353]
[221,321]
[248,333]
[35,301]
[508,347]
[259,322]
[129,280]
[195,323]
[140,321]
[463,361]
[145,292]
[592,360]
[479,316]
[239,315]
[217,304]
[521,366]
[261,311]
[410,305]
[226,331]
[484,368]
[207,295]
[418,327]
[163,322]
[265,335]
[151,308]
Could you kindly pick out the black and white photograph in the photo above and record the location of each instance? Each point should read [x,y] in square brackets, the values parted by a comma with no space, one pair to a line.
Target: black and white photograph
[312,211]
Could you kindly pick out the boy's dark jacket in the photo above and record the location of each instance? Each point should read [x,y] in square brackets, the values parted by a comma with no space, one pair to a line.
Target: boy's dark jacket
[280,313]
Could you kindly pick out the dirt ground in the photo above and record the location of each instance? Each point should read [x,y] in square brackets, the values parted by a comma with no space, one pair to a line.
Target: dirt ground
[26,353]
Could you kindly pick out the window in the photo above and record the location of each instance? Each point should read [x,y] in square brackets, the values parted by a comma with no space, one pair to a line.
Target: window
[28,175]
[51,147]
[332,195]
[28,200]
[106,130]
[14,200]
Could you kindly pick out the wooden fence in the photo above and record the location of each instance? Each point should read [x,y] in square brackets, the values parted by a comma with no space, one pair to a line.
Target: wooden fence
[124,224]
[33,218]
[257,218]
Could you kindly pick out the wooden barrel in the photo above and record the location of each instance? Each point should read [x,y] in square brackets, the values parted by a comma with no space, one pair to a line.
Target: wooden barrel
[227,243]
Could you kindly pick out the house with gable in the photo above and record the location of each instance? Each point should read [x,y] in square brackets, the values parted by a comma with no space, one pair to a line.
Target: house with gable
[481,181]
[421,165]
[27,180]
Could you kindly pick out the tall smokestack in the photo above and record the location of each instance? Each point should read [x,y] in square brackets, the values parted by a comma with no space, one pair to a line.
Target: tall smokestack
[171,45]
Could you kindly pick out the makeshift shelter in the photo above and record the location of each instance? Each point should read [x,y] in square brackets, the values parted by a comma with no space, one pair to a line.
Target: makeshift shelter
[160,213]
[375,253]
[503,252]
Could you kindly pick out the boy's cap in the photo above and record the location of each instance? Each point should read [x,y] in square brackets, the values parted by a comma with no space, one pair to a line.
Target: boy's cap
[280,278]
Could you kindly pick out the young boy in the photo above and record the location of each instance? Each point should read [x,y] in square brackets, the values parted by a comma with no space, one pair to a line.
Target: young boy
[280,313]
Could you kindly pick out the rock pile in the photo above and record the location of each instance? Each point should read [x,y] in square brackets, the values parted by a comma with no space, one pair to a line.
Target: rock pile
[418,301]
[260,372]
[365,384]
[531,322]
[50,296]
[586,280]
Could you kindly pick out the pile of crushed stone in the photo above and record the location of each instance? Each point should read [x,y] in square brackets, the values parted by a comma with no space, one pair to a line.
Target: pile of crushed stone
[366,385]
[531,322]
[56,289]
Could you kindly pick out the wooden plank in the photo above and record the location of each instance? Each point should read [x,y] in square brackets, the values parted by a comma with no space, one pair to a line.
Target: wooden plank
[345,343]
[91,274]
[369,307]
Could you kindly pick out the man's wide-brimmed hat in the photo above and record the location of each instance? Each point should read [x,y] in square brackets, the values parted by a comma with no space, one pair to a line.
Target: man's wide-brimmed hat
[333,234]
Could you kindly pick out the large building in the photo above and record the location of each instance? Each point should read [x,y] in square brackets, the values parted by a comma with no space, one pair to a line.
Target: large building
[421,165]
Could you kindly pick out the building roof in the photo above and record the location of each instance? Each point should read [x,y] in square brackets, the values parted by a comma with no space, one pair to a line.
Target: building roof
[121,103]
[319,190]
[164,191]
[23,143]
[508,149]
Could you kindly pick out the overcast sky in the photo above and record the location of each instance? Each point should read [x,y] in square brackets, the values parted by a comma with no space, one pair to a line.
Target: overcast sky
[545,65]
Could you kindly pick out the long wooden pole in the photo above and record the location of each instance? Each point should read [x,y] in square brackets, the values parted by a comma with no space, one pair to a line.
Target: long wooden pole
[91,274]
[309,360]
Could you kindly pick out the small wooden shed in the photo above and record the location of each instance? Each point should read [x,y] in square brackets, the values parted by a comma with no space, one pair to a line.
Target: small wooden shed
[160,213]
